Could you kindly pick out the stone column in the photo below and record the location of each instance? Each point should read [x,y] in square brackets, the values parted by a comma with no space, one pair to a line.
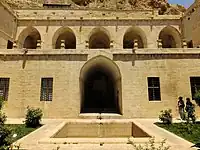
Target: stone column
[135,45]
[38,44]
[184,43]
[87,44]
[159,41]
[111,44]
[15,45]
[62,45]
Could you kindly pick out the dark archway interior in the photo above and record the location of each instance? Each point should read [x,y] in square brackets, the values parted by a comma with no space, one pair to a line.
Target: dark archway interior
[129,38]
[70,40]
[168,40]
[190,44]
[99,40]
[30,41]
[99,92]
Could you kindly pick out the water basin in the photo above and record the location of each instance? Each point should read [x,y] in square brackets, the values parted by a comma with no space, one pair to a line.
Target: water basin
[100,129]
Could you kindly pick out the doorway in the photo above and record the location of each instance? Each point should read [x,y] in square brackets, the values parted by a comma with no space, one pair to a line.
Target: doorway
[100,89]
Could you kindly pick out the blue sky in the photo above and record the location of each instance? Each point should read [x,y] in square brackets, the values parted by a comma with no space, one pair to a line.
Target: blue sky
[186,3]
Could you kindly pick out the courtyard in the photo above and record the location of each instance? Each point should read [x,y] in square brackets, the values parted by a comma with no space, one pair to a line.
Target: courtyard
[42,137]
[98,73]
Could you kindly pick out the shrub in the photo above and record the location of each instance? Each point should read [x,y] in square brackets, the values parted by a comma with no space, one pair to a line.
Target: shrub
[5,137]
[2,118]
[1,102]
[166,116]
[197,97]
[5,133]
[2,115]
[151,145]
[33,117]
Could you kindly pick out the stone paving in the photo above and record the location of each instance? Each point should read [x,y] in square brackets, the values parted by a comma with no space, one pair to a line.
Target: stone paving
[32,141]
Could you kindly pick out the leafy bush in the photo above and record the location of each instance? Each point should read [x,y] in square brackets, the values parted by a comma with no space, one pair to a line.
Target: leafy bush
[5,133]
[151,145]
[2,115]
[197,97]
[5,137]
[1,102]
[2,118]
[166,116]
[33,117]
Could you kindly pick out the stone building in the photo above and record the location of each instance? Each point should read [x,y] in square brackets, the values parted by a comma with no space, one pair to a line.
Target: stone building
[78,62]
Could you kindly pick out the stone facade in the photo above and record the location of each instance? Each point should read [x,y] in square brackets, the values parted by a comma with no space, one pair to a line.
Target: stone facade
[191,23]
[40,53]
[8,25]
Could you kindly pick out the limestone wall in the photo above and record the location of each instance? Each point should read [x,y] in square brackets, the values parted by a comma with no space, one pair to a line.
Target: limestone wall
[174,67]
[191,22]
[8,25]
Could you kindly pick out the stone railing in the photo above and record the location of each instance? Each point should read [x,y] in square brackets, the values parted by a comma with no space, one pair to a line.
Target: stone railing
[43,14]
[112,51]
[86,54]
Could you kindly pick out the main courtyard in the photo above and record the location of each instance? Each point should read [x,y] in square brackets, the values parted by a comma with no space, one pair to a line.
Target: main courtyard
[98,71]
[80,62]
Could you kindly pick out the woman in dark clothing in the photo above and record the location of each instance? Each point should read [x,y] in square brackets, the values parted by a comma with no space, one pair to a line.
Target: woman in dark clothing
[190,110]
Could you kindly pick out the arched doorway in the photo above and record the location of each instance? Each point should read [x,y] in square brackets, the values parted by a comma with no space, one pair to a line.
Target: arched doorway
[28,38]
[66,34]
[134,33]
[170,37]
[99,39]
[100,83]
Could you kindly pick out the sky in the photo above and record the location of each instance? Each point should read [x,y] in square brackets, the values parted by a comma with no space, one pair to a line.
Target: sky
[186,3]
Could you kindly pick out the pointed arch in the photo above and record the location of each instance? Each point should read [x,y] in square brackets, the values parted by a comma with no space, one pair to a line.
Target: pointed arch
[99,38]
[170,37]
[102,76]
[28,38]
[134,33]
[64,33]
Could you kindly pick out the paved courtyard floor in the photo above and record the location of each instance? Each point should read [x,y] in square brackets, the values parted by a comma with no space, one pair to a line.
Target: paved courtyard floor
[35,140]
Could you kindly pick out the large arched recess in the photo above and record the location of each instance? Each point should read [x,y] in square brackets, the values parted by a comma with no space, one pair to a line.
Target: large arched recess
[99,38]
[100,86]
[134,33]
[66,34]
[28,38]
[170,37]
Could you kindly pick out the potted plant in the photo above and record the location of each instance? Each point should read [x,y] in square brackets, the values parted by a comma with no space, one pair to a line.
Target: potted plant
[166,116]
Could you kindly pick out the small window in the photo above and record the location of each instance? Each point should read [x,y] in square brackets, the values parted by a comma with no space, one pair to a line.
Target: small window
[195,85]
[4,87]
[154,88]
[9,45]
[46,89]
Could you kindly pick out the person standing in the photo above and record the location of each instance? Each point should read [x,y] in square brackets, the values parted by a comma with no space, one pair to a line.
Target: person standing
[181,107]
[190,110]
